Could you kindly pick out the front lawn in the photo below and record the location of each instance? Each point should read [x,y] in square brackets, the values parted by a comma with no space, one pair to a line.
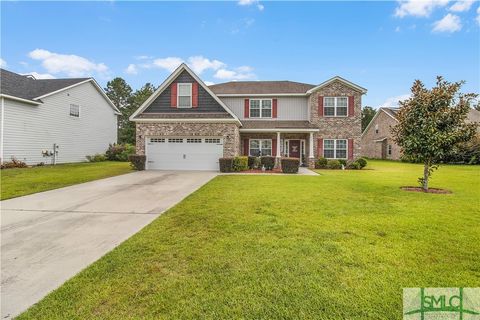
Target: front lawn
[340,245]
[20,182]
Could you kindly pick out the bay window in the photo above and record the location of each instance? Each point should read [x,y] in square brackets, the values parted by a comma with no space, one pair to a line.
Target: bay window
[260,108]
[260,147]
[335,148]
[335,106]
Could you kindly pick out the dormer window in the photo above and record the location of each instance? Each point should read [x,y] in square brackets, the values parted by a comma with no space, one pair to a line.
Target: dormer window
[184,97]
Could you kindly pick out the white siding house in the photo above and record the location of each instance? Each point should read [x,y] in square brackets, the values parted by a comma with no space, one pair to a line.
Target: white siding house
[30,126]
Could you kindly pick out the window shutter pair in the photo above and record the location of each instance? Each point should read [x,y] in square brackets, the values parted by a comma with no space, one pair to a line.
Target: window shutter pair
[351,106]
[320,148]
[246,108]
[174,91]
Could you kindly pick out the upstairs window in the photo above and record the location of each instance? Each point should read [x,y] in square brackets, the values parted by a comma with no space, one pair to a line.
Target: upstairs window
[335,148]
[376,128]
[260,108]
[75,110]
[335,106]
[184,95]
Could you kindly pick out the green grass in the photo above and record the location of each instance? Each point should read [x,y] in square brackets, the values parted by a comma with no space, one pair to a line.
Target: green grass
[20,182]
[341,245]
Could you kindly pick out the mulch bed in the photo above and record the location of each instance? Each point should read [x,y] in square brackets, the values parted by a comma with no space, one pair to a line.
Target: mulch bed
[430,190]
[260,171]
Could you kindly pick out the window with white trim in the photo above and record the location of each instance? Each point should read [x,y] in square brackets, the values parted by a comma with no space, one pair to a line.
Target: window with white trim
[389,149]
[335,106]
[335,148]
[260,147]
[260,108]
[75,110]
[184,92]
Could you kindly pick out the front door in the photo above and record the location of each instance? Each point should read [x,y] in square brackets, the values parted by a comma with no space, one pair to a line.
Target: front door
[294,148]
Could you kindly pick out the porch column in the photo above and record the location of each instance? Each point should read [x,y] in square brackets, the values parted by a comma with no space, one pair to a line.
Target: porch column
[278,157]
[310,147]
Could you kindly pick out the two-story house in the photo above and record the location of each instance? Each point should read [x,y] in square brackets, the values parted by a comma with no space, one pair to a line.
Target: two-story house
[188,125]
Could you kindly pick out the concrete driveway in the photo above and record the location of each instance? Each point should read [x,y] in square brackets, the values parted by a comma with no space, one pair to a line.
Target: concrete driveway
[48,237]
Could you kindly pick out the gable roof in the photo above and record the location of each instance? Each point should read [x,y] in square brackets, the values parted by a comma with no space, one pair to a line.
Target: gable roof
[168,81]
[30,90]
[260,87]
[392,112]
[338,78]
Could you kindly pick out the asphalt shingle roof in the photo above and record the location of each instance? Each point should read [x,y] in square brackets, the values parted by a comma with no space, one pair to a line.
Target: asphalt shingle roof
[278,124]
[260,87]
[25,87]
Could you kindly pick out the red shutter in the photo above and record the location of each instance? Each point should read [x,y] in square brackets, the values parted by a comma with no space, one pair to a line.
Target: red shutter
[350,149]
[194,94]
[274,108]
[274,147]
[246,110]
[320,106]
[173,95]
[351,106]
[246,147]
[320,148]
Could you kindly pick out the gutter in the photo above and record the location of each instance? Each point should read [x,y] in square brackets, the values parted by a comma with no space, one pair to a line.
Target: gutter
[6,96]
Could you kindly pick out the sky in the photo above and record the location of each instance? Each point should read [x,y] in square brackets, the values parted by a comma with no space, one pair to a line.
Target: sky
[382,46]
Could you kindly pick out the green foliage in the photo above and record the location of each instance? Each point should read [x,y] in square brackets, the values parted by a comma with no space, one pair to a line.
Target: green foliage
[432,123]
[226,164]
[466,153]
[321,163]
[290,165]
[367,115]
[119,152]
[251,162]
[268,162]
[354,165]
[14,163]
[137,161]
[343,162]
[362,162]
[240,163]
[99,157]
[334,164]
[257,163]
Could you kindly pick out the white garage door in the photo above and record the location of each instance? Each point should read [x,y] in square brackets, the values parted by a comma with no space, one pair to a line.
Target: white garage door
[183,153]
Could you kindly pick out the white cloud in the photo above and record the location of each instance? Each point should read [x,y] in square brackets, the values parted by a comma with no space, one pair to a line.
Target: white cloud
[70,64]
[418,8]
[3,63]
[251,2]
[393,101]
[39,75]
[478,15]
[462,5]
[449,23]
[240,73]
[131,69]
[169,63]
[200,64]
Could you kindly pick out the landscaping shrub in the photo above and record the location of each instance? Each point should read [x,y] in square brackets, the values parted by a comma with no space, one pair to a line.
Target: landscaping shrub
[14,163]
[240,163]
[268,162]
[119,152]
[97,158]
[362,162]
[321,163]
[137,161]
[343,161]
[290,165]
[251,162]
[355,165]
[257,164]
[226,164]
[334,164]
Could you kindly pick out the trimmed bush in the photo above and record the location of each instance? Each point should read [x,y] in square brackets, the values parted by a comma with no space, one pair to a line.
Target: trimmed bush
[343,161]
[14,163]
[268,162]
[355,165]
[119,152]
[251,162]
[290,165]
[137,161]
[226,164]
[362,162]
[334,164]
[321,163]
[96,158]
[257,164]
[240,163]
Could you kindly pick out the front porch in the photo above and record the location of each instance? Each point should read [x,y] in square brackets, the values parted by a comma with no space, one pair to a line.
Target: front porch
[280,142]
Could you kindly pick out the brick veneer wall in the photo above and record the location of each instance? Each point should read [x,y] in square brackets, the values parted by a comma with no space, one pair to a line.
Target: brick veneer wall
[229,132]
[337,127]
[372,148]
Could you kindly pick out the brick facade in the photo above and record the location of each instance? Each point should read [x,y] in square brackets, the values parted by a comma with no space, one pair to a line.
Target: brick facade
[229,132]
[375,145]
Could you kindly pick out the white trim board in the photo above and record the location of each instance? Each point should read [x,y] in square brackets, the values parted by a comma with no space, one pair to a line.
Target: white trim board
[184,120]
[300,130]
[338,78]
[6,96]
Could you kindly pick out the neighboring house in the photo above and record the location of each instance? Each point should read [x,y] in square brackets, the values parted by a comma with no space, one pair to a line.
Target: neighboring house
[377,139]
[75,115]
[188,125]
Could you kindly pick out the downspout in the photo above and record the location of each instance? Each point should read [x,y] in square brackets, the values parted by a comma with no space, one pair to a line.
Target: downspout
[1,128]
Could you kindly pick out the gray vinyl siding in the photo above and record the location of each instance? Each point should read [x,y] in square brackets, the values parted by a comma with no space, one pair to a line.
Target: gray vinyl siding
[206,103]
[29,129]
[288,108]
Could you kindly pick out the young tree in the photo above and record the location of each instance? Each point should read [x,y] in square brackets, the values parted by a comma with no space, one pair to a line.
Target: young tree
[367,115]
[120,93]
[432,122]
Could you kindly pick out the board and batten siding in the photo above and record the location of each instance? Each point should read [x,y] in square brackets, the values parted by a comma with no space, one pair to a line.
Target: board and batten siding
[29,129]
[288,108]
